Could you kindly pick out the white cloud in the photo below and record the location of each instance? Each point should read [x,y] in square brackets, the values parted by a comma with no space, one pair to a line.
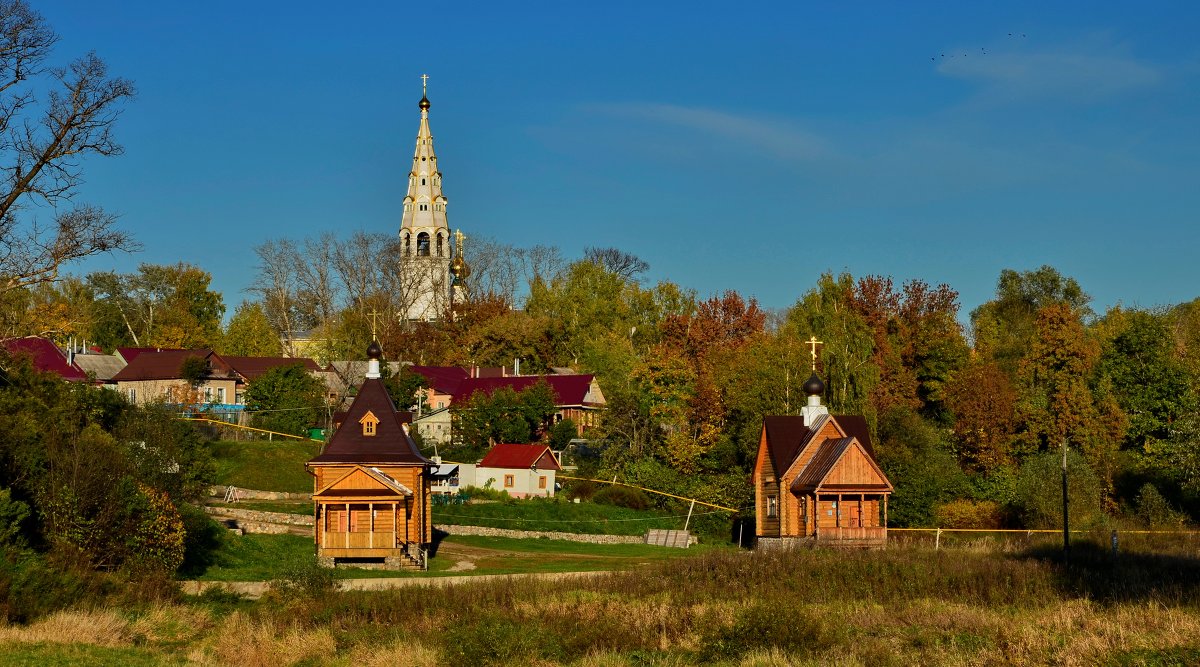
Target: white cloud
[779,139]
[1081,75]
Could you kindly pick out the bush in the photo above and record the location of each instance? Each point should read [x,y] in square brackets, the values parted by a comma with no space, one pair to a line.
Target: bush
[496,640]
[1039,491]
[306,579]
[969,514]
[622,496]
[582,489]
[485,493]
[1154,511]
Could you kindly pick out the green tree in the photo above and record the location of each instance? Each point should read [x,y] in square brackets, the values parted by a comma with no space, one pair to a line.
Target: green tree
[1039,491]
[504,416]
[918,461]
[846,356]
[163,306]
[1149,379]
[286,399]
[249,333]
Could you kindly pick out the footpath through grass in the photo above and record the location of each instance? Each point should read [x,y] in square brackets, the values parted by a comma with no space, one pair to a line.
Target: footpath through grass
[264,465]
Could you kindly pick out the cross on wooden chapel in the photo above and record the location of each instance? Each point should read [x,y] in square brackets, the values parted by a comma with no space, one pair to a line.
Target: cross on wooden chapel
[812,344]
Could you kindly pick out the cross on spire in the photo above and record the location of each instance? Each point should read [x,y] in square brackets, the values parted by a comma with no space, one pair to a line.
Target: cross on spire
[424,84]
[373,315]
[812,344]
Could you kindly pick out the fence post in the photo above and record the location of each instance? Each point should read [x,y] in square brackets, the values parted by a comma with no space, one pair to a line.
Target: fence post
[1114,543]
[689,518]
[937,541]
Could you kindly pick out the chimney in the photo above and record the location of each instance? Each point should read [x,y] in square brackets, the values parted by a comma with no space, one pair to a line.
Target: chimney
[517,367]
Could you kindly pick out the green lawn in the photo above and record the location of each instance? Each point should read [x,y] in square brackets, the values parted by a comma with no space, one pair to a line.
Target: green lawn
[82,655]
[559,515]
[266,557]
[265,465]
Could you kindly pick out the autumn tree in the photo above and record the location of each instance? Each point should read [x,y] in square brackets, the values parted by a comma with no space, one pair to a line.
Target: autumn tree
[1004,327]
[503,416]
[617,261]
[984,405]
[1057,403]
[44,143]
[160,305]
[249,333]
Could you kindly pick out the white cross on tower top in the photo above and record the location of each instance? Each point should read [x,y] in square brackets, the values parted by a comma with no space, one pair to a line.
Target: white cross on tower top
[424,84]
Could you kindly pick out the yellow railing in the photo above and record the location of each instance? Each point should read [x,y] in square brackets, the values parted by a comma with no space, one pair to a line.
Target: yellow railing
[249,428]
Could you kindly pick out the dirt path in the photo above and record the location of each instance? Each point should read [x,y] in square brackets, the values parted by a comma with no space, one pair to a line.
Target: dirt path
[256,589]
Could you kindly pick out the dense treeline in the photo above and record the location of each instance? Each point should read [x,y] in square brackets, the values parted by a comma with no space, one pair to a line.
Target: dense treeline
[962,415]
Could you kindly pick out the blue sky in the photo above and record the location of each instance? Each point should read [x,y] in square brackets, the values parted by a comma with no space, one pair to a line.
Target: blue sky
[746,146]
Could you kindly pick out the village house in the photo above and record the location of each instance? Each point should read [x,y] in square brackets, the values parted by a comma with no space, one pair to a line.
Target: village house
[153,375]
[522,471]
[371,485]
[576,396]
[816,480]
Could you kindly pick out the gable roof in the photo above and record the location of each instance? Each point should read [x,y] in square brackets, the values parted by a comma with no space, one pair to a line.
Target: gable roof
[443,379]
[519,456]
[164,365]
[828,455]
[391,443]
[252,368]
[787,436]
[385,480]
[131,353]
[103,366]
[45,356]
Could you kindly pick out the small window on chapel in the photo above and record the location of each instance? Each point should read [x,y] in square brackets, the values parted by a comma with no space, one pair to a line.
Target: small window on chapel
[369,423]
[772,507]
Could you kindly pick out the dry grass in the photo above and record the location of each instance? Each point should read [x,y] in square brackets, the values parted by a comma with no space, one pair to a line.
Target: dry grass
[99,627]
[242,640]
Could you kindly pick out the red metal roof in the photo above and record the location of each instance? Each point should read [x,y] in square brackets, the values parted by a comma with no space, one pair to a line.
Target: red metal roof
[164,365]
[520,456]
[443,379]
[568,389]
[130,353]
[252,367]
[45,356]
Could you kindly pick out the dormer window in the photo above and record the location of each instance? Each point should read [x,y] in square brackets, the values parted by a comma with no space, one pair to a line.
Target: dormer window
[369,423]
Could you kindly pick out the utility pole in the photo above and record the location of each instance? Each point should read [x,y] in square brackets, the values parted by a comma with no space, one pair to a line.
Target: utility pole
[1066,516]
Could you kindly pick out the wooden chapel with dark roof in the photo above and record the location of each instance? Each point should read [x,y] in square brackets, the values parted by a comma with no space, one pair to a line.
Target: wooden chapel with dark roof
[371,487]
[816,480]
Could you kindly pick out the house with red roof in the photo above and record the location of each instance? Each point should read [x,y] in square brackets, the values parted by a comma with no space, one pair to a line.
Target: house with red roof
[816,480]
[45,356]
[521,470]
[371,485]
[577,396]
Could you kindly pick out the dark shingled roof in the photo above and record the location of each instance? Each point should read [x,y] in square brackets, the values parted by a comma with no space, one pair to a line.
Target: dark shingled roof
[164,365]
[390,445]
[786,435]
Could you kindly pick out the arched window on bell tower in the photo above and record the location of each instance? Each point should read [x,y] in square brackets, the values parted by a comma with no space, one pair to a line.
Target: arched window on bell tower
[423,244]
[407,243]
[440,240]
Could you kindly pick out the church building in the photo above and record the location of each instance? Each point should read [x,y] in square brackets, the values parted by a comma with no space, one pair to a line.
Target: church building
[816,480]
[433,270]
[371,485]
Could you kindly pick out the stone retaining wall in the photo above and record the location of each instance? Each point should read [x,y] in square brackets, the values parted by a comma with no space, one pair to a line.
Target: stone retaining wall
[255,516]
[254,494]
[550,534]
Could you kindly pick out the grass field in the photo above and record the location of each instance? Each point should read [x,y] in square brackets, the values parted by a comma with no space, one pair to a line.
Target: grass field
[559,515]
[265,465]
[267,557]
[720,607]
